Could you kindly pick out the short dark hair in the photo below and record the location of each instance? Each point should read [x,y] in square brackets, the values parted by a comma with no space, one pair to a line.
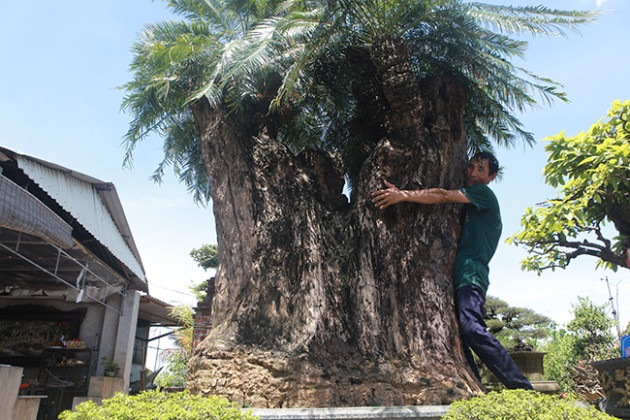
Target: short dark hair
[493,163]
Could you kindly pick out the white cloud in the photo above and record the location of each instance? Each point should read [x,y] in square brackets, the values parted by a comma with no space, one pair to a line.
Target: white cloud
[600,3]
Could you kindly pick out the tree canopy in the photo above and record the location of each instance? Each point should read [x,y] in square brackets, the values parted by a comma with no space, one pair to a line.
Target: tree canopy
[207,256]
[591,326]
[587,337]
[177,357]
[301,58]
[518,329]
[592,174]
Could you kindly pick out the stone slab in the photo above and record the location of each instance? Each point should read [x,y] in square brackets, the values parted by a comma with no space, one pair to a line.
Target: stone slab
[10,378]
[27,406]
[105,387]
[428,412]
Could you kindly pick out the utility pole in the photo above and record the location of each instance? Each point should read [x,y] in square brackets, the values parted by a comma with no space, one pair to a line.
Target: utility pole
[615,311]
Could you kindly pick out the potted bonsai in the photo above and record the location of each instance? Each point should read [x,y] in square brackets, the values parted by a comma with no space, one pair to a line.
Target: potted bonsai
[520,330]
[110,368]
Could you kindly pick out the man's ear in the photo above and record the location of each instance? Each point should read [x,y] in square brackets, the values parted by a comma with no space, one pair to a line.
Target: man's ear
[492,177]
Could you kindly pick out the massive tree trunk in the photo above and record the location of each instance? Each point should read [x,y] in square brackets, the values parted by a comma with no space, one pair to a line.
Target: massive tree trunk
[324,302]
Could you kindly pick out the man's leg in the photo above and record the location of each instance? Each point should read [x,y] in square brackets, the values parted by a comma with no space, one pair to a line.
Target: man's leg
[471,362]
[470,301]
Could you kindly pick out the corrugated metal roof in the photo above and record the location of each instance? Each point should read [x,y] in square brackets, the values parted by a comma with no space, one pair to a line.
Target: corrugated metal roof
[92,202]
[157,312]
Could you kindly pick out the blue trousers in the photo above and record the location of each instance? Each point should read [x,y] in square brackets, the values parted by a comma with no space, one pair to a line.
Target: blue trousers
[470,301]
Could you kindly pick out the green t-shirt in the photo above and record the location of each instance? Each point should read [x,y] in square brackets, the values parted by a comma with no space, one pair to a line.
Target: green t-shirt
[480,237]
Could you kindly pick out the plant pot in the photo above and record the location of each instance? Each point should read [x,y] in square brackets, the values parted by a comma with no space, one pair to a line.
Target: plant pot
[614,376]
[530,363]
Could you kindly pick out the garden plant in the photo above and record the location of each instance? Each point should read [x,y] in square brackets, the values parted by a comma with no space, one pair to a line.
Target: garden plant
[155,405]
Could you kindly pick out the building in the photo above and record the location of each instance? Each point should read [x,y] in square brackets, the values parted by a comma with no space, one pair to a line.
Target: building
[73,290]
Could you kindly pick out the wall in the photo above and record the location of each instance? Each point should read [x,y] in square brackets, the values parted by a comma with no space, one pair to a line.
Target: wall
[203,315]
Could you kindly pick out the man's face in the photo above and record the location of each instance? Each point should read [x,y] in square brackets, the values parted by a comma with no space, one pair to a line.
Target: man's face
[478,173]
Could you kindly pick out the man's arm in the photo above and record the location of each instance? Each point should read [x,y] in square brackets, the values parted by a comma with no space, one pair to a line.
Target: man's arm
[393,195]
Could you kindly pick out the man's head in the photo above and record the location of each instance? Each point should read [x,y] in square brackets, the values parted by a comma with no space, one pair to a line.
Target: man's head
[482,169]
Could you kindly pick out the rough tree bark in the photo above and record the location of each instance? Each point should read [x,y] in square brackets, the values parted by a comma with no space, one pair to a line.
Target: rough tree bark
[321,302]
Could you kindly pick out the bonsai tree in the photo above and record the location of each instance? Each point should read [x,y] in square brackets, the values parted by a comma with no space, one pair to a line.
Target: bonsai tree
[110,368]
[269,107]
[518,329]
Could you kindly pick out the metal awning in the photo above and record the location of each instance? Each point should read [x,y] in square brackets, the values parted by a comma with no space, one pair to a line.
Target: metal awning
[33,266]
[22,211]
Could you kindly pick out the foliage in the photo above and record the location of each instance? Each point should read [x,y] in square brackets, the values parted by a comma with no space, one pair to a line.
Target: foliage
[207,256]
[586,339]
[155,405]
[199,290]
[592,173]
[591,326]
[560,355]
[110,368]
[293,59]
[521,404]
[518,329]
[175,372]
[177,358]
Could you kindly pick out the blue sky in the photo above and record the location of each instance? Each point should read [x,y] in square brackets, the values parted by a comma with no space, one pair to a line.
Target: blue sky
[63,61]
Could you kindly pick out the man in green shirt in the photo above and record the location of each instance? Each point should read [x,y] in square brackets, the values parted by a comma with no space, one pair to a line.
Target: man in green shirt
[480,236]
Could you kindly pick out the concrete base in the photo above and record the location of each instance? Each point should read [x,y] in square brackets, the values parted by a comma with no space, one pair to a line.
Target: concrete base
[105,387]
[429,412]
[27,406]
[10,378]
[101,388]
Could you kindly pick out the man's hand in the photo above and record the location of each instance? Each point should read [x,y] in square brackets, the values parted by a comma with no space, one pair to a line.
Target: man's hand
[387,197]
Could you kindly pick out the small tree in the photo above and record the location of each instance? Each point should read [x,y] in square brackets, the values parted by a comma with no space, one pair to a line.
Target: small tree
[592,172]
[177,358]
[587,338]
[518,329]
[591,326]
[560,355]
[207,257]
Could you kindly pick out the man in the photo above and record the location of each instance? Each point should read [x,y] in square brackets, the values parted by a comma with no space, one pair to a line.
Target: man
[480,236]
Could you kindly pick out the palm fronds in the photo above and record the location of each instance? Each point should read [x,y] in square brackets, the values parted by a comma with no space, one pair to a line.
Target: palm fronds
[292,53]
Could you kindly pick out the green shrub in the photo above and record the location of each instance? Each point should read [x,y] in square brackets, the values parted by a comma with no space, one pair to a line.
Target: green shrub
[155,405]
[521,405]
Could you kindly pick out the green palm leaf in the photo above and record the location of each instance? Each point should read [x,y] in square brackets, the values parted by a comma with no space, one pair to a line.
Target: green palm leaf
[293,54]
